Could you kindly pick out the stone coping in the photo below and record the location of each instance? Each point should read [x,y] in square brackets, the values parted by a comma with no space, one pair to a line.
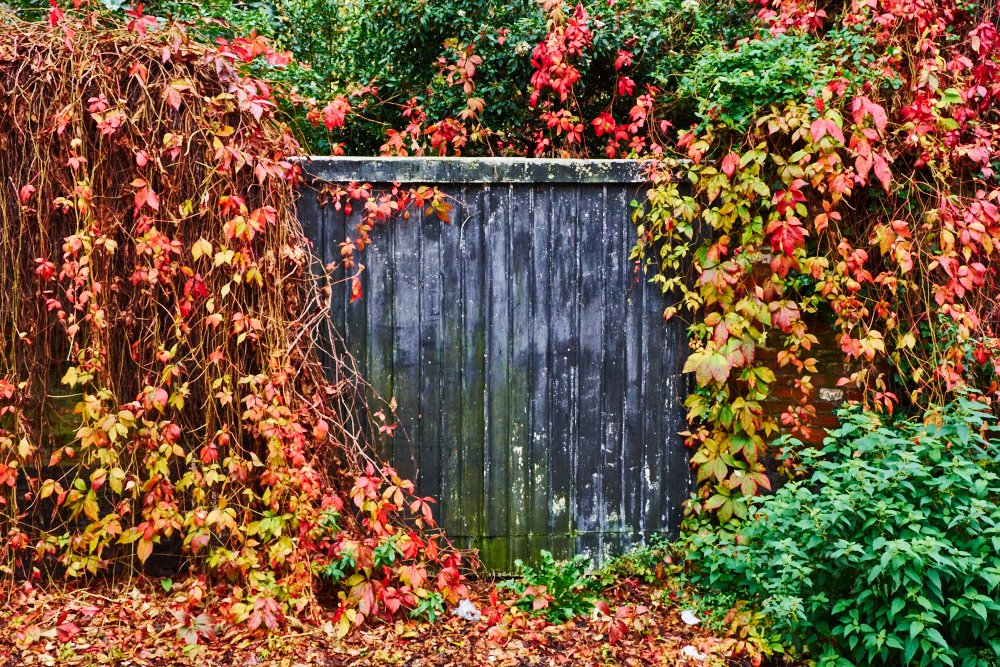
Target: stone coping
[431,170]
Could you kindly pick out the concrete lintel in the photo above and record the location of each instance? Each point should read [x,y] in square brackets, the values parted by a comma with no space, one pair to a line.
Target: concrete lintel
[431,170]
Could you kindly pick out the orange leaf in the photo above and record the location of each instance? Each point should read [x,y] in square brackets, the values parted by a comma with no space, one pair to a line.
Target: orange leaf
[144,549]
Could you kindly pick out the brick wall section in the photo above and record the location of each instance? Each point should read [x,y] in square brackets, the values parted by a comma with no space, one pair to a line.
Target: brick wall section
[827,396]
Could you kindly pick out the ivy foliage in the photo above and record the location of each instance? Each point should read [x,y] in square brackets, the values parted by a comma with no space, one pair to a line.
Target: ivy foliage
[860,189]
[150,255]
[886,552]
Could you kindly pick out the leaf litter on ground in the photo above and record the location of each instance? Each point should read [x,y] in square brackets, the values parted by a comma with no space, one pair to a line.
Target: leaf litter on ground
[143,625]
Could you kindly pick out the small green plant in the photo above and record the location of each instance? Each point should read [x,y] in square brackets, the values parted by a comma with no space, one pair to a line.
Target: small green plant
[650,562]
[888,553]
[430,607]
[558,591]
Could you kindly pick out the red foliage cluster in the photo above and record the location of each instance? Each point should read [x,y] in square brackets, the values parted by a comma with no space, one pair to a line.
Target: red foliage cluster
[874,202]
[560,130]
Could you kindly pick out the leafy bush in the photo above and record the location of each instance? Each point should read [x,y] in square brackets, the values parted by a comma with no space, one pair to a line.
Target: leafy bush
[558,591]
[733,85]
[888,552]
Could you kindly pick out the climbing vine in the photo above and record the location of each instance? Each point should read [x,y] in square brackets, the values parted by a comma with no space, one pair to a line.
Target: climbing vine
[160,392]
[871,200]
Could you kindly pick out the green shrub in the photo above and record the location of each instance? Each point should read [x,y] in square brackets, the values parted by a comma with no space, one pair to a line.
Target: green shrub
[887,553]
[557,590]
[734,84]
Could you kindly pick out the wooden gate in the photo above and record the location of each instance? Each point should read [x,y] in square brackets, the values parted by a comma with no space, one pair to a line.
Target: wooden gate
[539,390]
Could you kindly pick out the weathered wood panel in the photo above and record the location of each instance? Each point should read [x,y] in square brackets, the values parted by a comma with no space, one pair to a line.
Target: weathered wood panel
[539,389]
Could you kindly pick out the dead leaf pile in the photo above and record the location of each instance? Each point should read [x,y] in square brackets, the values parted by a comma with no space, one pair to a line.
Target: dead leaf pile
[141,625]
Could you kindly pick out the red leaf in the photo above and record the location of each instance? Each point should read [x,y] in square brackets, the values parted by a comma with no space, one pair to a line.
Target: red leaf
[603,124]
[66,631]
[822,127]
[729,164]
[862,106]
[413,575]
[784,314]
[335,113]
[156,398]
[863,165]
[24,195]
[145,196]
[56,14]
[786,235]
[173,97]
[882,170]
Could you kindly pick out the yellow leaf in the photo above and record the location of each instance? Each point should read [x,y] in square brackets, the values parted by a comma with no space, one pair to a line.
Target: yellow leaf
[144,550]
[354,579]
[224,257]
[48,488]
[201,248]
[70,377]
[343,626]
[90,507]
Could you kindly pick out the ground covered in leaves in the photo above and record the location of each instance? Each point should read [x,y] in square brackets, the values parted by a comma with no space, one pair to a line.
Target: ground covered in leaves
[141,625]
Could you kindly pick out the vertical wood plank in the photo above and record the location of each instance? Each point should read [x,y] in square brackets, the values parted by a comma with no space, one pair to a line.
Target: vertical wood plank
[521,379]
[677,481]
[541,221]
[452,505]
[333,224]
[633,460]
[473,235]
[653,405]
[353,326]
[564,354]
[379,312]
[428,442]
[405,265]
[613,262]
[589,487]
[498,335]
[314,220]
